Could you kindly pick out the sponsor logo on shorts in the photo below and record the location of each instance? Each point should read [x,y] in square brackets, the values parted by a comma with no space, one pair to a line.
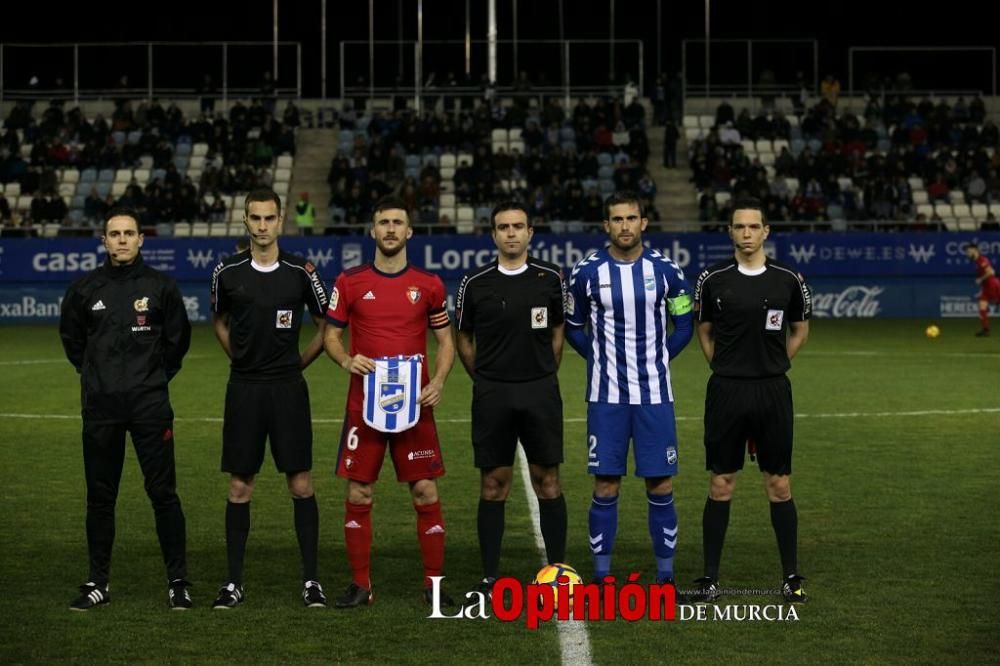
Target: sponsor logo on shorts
[420,454]
[671,455]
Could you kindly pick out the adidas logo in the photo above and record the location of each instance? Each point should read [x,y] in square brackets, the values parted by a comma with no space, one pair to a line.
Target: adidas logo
[436,529]
[353,525]
[370,296]
[99,305]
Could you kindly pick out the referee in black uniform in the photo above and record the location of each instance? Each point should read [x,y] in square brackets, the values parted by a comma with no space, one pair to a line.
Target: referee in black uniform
[753,317]
[510,339]
[258,299]
[125,330]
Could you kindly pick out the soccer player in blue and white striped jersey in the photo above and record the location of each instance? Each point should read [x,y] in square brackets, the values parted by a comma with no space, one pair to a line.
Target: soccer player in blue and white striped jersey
[620,299]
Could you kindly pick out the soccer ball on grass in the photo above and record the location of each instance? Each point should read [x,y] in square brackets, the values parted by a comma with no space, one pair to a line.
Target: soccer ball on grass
[932,331]
[549,575]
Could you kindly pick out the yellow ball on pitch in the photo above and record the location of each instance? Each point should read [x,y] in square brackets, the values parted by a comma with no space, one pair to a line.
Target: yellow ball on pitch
[549,575]
[932,331]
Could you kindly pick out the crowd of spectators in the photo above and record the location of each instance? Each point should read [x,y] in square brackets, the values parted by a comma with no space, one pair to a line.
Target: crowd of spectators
[850,167]
[36,150]
[560,166]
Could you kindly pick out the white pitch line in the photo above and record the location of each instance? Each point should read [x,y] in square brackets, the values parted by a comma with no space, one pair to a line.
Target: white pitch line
[39,361]
[887,354]
[821,415]
[573,641]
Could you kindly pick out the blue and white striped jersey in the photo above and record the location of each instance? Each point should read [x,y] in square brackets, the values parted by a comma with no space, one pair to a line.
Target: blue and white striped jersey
[625,307]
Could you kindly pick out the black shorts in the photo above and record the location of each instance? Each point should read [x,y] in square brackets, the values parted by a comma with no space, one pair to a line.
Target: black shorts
[258,412]
[738,411]
[505,412]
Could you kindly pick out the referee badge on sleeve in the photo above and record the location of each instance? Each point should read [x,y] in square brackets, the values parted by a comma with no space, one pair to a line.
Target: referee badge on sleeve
[774,319]
[540,317]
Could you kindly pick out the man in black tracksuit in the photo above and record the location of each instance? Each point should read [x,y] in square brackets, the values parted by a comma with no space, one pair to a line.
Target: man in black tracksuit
[125,330]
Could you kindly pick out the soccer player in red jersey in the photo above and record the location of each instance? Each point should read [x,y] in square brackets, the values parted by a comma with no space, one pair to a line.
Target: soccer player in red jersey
[989,286]
[389,305]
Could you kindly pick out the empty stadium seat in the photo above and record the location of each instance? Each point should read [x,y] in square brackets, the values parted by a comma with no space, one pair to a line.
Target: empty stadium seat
[218,229]
[916,183]
[925,209]
[706,122]
[748,146]
[447,172]
[967,224]
[284,162]
[447,212]
[199,229]
[447,187]
[118,188]
[961,210]
[67,189]
[88,175]
[106,175]
[71,176]
[943,209]
[182,230]
[919,196]
[448,160]
[199,149]
[447,201]
[514,134]
[196,162]
[517,146]
[979,211]
[235,215]
[141,176]
[792,184]
[13,189]
[764,146]
[282,175]
[146,162]
[845,183]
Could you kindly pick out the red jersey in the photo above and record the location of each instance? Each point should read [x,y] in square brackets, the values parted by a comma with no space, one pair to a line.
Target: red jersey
[982,265]
[388,315]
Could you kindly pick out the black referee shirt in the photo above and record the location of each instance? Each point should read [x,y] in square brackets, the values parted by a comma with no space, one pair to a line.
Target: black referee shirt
[750,316]
[511,317]
[265,306]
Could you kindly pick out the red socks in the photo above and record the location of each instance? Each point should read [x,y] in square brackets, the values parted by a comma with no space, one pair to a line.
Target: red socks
[984,319]
[430,533]
[358,541]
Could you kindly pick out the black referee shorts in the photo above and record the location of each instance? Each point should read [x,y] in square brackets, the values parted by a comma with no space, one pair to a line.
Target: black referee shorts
[738,410]
[258,412]
[504,412]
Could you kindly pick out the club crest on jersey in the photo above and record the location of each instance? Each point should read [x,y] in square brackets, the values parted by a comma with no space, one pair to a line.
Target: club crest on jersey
[141,304]
[283,319]
[774,319]
[650,283]
[539,317]
[413,293]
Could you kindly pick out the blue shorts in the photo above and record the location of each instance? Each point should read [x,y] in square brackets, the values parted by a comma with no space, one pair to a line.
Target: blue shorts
[651,429]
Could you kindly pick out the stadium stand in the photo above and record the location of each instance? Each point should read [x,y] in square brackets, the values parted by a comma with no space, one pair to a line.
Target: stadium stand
[451,169]
[61,171]
[902,166]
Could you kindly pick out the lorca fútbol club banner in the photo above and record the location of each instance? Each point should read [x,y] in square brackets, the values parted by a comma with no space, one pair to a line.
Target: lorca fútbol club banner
[851,275]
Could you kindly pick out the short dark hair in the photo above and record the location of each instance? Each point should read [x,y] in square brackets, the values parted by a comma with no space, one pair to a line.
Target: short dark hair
[389,202]
[122,211]
[262,194]
[623,197]
[503,207]
[748,203]
[970,245]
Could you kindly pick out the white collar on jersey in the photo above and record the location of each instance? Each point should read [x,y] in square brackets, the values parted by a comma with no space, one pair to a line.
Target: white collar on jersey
[751,271]
[264,269]
[516,271]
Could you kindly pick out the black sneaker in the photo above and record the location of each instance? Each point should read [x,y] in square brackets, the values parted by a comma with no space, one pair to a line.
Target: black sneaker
[230,596]
[354,596]
[791,590]
[984,333]
[444,599]
[178,596]
[91,595]
[485,588]
[707,592]
[312,595]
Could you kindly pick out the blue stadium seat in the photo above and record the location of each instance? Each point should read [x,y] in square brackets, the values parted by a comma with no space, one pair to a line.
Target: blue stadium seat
[118,137]
[604,159]
[106,176]
[432,159]
[78,201]
[88,175]
[103,188]
[181,162]
[158,173]
[413,160]
[182,149]
[134,137]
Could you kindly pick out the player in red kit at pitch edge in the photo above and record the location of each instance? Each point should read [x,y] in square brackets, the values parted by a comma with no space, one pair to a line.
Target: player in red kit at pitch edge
[389,305]
[989,286]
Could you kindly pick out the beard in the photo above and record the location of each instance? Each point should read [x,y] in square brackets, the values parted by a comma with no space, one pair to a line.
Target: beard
[625,246]
[390,251]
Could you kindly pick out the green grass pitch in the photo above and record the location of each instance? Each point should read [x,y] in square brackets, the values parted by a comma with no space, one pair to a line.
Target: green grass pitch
[897,442]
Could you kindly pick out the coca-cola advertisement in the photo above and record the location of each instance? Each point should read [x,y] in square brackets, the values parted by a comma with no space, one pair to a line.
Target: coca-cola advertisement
[854,301]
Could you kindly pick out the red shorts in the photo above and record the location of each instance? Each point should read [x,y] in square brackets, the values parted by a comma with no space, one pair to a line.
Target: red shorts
[990,291]
[416,453]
